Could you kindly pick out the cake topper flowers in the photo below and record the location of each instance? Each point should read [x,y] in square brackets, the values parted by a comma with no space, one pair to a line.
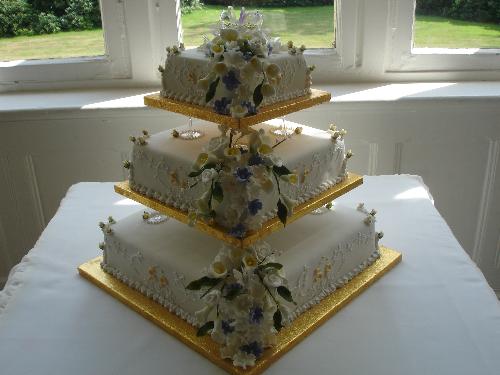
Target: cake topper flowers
[241,74]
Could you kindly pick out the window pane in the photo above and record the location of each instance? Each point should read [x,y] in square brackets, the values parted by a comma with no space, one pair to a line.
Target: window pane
[309,25]
[42,29]
[457,24]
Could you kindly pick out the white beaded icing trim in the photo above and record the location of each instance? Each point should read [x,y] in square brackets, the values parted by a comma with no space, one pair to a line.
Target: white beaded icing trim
[172,307]
[334,285]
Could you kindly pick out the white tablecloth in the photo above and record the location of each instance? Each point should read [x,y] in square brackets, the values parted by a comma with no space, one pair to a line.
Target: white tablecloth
[433,314]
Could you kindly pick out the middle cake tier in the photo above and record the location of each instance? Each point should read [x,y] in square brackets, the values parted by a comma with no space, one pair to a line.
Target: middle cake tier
[313,160]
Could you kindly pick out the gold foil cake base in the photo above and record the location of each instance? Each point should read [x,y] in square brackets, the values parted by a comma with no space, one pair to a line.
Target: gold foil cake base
[287,338]
[265,113]
[270,226]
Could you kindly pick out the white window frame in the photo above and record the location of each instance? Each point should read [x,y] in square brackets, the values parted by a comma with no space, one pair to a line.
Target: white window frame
[115,63]
[401,57]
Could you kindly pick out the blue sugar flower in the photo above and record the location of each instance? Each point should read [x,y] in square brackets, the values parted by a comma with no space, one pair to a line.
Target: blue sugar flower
[230,80]
[254,206]
[256,314]
[255,159]
[227,328]
[238,231]
[247,56]
[252,348]
[269,49]
[250,107]
[221,105]
[243,174]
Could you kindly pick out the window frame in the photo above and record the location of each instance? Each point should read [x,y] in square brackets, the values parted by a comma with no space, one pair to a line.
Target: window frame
[402,57]
[114,64]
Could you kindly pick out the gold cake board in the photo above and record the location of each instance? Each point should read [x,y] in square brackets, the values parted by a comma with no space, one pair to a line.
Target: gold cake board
[287,338]
[265,113]
[272,225]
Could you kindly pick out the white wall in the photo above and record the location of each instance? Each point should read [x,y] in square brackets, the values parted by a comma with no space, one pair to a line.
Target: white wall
[454,144]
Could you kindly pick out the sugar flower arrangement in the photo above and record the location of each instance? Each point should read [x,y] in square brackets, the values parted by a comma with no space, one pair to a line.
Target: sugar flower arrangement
[238,176]
[240,68]
[245,294]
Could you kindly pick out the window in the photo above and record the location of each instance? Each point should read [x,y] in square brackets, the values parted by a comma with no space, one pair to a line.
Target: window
[457,24]
[451,55]
[26,62]
[50,29]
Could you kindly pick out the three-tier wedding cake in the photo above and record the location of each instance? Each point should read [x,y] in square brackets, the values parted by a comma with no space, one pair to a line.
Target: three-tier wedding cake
[236,181]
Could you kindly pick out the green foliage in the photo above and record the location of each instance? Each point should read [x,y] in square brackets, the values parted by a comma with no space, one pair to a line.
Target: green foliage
[19,17]
[211,90]
[47,23]
[285,293]
[205,328]
[205,281]
[217,192]
[257,95]
[15,17]
[282,212]
[187,6]
[81,15]
[281,171]
[277,319]
[467,10]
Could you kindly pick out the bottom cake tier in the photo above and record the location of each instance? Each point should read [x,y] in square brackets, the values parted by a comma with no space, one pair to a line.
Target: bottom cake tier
[159,256]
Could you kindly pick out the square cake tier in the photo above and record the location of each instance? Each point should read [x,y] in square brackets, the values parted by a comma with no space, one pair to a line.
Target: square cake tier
[159,256]
[183,72]
[161,165]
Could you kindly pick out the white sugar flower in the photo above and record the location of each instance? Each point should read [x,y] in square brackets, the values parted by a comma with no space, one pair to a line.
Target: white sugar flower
[229,35]
[217,332]
[273,280]
[256,64]
[291,178]
[234,58]
[249,261]
[267,90]
[217,50]
[220,68]
[238,111]
[212,297]
[289,203]
[217,270]
[247,72]
[232,153]
[217,145]
[273,70]
[244,360]
[201,160]
[208,175]
[202,203]
[202,315]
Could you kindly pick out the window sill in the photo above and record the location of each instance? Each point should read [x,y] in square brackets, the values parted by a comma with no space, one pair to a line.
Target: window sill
[81,103]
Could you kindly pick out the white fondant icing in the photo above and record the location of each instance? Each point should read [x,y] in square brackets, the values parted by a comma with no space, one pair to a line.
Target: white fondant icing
[182,72]
[160,169]
[337,243]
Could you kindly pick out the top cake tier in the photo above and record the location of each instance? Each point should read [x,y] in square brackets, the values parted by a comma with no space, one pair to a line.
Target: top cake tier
[237,73]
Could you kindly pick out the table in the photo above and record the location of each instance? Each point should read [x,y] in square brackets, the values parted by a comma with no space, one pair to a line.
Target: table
[433,314]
